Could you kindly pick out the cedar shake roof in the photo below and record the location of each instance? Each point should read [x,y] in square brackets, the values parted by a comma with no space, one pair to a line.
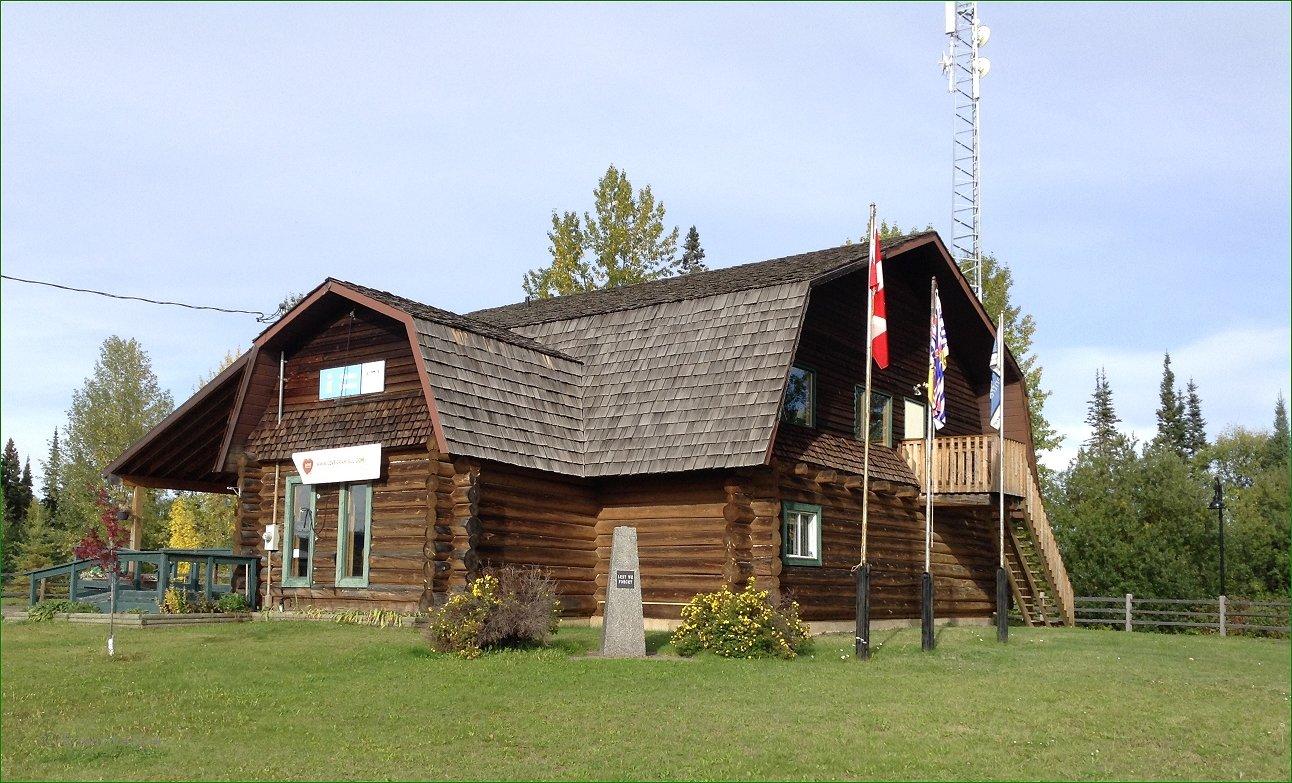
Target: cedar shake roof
[394,423]
[679,374]
[803,444]
[682,385]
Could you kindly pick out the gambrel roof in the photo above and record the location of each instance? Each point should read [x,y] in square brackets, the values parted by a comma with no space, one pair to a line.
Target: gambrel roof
[679,374]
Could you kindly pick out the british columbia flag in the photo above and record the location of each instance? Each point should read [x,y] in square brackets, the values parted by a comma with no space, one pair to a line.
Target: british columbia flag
[938,353]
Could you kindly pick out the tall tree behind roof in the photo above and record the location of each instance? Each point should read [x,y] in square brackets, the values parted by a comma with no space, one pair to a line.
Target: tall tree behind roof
[1020,329]
[117,403]
[623,241]
[1195,426]
[692,254]
[1279,440]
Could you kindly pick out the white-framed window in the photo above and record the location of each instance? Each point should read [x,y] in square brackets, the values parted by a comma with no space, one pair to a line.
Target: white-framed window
[801,534]
[352,380]
[914,419]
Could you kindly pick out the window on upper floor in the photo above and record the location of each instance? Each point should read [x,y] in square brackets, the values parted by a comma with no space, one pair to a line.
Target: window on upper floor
[799,406]
[352,380]
[914,419]
[881,416]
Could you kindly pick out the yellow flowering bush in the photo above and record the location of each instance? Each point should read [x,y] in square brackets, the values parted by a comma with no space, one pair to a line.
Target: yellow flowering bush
[741,625]
[457,626]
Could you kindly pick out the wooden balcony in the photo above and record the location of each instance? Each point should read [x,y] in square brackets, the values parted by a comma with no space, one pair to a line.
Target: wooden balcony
[967,469]
[970,464]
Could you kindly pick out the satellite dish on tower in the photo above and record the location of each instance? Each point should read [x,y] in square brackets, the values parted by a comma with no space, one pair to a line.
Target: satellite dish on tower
[984,33]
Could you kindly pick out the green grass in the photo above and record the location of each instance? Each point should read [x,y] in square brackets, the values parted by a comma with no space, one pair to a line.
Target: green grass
[315,700]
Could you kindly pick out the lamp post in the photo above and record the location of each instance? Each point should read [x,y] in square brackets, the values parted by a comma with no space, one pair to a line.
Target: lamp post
[1218,503]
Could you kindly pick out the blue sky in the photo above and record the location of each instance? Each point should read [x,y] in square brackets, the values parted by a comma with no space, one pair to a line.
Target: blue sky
[1135,167]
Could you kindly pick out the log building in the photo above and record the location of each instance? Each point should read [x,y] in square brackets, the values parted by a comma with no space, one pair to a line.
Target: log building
[400,449]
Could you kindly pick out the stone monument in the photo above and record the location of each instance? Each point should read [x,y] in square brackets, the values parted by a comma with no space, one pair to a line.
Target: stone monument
[623,632]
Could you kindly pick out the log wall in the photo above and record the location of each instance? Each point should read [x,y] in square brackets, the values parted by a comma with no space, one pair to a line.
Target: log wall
[963,559]
[690,536]
[527,517]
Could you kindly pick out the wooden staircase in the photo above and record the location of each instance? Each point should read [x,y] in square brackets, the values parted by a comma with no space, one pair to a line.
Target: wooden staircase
[1034,597]
[967,471]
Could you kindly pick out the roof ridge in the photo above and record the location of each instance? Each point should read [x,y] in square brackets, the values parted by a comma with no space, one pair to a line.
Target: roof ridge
[696,285]
[426,312]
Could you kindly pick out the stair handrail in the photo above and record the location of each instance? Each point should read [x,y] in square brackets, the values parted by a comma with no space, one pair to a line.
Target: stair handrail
[1039,521]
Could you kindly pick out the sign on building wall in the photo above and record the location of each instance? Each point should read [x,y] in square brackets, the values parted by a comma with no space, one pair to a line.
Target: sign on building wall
[330,466]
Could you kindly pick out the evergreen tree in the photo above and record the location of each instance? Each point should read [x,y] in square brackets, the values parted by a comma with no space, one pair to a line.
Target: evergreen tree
[692,254]
[623,241]
[1195,427]
[116,405]
[11,491]
[1101,417]
[1171,429]
[45,545]
[1280,443]
[53,476]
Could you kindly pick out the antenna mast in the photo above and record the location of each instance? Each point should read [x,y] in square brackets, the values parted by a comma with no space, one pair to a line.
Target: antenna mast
[964,70]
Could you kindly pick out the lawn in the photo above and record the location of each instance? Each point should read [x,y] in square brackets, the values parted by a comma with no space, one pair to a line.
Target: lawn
[312,700]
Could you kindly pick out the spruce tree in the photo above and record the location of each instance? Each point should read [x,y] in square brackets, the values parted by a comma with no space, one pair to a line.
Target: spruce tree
[1101,417]
[1195,427]
[1279,440]
[692,254]
[51,480]
[1171,431]
[14,509]
[44,544]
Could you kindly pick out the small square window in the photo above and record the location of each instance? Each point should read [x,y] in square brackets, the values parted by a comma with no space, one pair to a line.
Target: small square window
[801,534]
[799,406]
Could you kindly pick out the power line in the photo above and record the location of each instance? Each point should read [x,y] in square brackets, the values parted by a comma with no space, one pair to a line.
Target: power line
[261,317]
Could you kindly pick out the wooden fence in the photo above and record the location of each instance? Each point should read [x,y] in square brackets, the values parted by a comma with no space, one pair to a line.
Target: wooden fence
[1224,615]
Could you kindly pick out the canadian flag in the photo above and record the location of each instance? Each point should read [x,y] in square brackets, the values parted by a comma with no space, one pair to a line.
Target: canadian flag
[879,311]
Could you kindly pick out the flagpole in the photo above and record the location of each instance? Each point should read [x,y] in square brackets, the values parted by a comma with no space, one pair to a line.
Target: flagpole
[1002,578]
[863,567]
[926,580]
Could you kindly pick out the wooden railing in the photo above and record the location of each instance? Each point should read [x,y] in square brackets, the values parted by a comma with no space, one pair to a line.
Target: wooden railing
[970,464]
[1225,615]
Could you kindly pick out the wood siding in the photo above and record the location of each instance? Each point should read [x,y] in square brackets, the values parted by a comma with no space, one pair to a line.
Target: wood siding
[833,344]
[396,417]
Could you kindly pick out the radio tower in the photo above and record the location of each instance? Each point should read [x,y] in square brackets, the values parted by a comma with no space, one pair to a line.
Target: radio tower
[964,70]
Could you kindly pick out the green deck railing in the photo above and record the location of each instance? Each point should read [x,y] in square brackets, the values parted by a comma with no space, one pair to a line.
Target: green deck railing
[137,590]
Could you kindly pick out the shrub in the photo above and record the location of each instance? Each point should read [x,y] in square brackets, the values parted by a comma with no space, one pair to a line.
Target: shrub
[517,607]
[177,601]
[232,602]
[45,610]
[741,625]
[527,613]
